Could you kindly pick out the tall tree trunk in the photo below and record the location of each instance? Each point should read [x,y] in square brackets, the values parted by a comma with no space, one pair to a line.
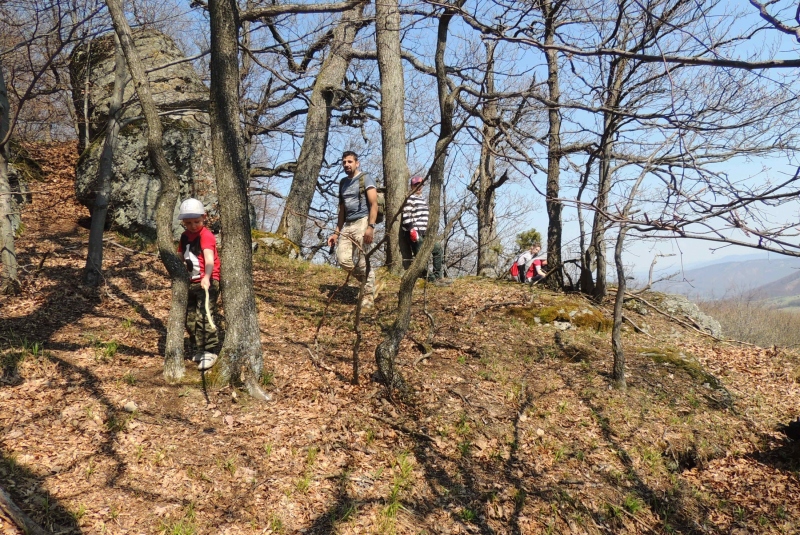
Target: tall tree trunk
[318,119]
[167,198]
[487,224]
[9,282]
[386,352]
[93,271]
[395,165]
[597,248]
[242,360]
[618,374]
[554,226]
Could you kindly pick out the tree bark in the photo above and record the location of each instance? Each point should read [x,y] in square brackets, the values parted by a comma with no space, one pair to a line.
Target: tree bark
[9,281]
[167,199]
[386,352]
[618,374]
[393,130]
[487,224]
[315,139]
[554,207]
[93,271]
[241,356]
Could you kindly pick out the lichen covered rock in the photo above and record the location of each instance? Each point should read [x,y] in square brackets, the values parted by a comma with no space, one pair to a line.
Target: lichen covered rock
[181,97]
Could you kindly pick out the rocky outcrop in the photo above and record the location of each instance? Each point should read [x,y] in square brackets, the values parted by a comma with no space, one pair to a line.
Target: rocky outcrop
[680,307]
[183,100]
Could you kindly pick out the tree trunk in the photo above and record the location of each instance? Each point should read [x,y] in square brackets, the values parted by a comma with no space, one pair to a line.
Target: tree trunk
[395,166]
[318,119]
[167,199]
[618,374]
[241,357]
[9,282]
[386,352]
[93,271]
[554,226]
[487,224]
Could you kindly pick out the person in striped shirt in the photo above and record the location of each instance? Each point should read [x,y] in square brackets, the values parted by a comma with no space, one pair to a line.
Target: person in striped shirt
[415,225]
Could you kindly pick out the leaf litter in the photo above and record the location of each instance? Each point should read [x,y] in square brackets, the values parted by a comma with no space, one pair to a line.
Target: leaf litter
[509,428]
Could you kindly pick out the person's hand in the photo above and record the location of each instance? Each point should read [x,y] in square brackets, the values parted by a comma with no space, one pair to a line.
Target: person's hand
[332,240]
[368,234]
[205,283]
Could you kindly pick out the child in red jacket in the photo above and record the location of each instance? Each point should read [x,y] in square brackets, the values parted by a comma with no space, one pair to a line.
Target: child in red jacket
[199,249]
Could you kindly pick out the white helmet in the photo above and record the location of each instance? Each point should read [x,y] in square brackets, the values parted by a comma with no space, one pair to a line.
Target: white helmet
[191,208]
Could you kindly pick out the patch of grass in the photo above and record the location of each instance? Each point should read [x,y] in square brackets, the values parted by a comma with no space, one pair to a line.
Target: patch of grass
[632,504]
[680,360]
[267,378]
[468,515]
[185,525]
[401,481]
[276,524]
[129,378]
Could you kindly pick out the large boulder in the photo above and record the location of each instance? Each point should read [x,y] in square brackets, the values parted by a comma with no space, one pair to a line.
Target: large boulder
[182,99]
[680,307]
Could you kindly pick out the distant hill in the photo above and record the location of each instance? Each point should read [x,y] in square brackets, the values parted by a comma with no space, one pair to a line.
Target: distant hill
[761,279]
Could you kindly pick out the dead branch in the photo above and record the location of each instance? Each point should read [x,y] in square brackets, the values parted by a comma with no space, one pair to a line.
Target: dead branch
[17,516]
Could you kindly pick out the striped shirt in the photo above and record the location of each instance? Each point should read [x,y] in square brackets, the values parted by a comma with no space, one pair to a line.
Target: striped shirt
[415,213]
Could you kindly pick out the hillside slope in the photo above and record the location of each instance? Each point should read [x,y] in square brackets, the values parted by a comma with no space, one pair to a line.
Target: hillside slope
[510,427]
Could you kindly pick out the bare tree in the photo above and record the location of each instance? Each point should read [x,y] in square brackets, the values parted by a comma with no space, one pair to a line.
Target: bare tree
[167,198]
[9,282]
[393,131]
[92,272]
[386,352]
[326,94]
[242,359]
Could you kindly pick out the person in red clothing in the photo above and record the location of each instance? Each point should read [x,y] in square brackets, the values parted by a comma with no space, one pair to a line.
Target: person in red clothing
[198,245]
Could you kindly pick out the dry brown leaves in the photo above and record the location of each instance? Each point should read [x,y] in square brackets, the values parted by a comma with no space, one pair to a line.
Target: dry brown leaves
[504,431]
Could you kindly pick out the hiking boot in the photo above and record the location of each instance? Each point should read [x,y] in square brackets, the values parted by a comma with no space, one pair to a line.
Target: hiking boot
[367,303]
[207,361]
[197,357]
[443,282]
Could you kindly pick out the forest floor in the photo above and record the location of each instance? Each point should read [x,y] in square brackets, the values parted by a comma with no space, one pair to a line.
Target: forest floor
[511,425]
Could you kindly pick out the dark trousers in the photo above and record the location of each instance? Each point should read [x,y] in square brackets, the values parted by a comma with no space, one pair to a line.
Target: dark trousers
[438,257]
[201,335]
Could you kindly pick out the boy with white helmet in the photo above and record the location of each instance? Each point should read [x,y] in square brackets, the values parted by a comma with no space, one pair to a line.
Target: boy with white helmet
[199,249]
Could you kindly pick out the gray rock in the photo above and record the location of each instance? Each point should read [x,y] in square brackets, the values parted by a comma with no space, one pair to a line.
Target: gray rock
[679,306]
[131,406]
[183,100]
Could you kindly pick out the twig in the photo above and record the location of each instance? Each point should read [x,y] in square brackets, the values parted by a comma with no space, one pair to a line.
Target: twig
[318,364]
[688,325]
[636,327]
[397,425]
[115,244]
[494,305]
[18,517]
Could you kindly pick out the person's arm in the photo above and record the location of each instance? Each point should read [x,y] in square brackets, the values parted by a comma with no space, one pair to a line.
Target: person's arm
[208,257]
[372,200]
[339,225]
[539,271]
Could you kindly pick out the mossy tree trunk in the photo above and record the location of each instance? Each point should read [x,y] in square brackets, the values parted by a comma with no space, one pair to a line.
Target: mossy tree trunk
[174,368]
[93,271]
[242,359]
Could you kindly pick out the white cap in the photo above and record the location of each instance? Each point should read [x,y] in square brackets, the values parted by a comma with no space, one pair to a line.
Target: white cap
[191,208]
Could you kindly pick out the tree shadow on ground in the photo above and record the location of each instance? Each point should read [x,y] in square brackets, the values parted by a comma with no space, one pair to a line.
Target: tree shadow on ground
[27,490]
[346,295]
